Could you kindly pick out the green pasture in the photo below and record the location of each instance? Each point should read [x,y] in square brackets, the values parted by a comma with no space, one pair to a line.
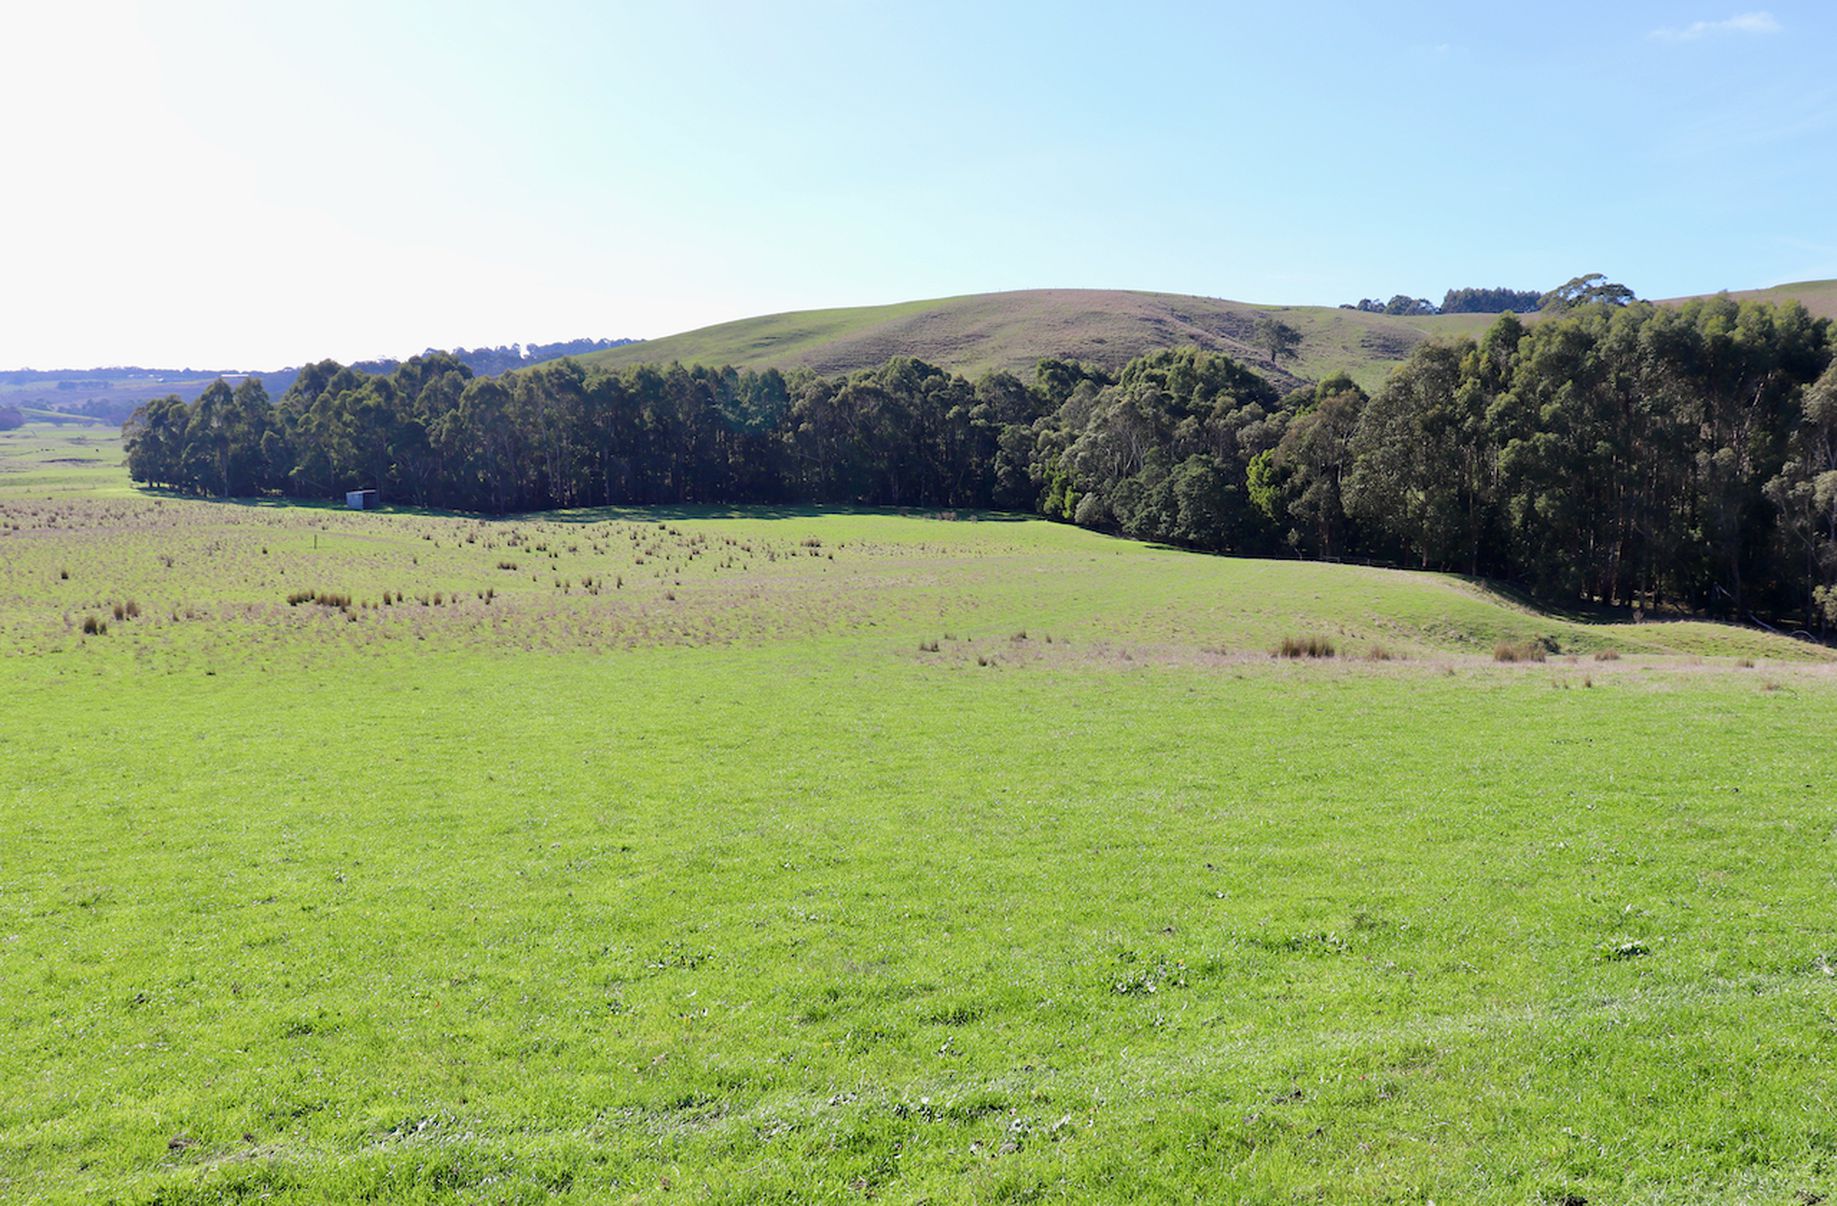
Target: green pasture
[818,855]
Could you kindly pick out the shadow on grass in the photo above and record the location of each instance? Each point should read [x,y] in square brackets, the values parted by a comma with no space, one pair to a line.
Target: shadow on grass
[611,513]
[1576,611]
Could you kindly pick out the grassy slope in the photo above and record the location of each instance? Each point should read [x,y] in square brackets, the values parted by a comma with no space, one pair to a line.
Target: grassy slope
[1014,331]
[1820,297]
[715,881]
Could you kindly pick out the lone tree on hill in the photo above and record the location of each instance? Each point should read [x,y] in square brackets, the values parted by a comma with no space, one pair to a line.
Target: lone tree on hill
[1276,337]
[1582,290]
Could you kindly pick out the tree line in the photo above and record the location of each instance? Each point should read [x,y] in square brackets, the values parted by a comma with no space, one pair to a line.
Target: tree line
[1580,290]
[1632,454]
[1455,301]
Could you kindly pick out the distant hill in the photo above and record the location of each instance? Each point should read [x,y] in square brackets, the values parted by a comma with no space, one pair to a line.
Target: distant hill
[980,332]
[1014,331]
[110,395]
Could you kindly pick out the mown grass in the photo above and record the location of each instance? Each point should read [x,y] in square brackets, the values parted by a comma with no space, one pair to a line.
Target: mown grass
[892,857]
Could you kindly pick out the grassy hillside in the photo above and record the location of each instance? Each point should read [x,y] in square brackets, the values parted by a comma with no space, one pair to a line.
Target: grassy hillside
[980,332]
[1820,297]
[1013,331]
[822,855]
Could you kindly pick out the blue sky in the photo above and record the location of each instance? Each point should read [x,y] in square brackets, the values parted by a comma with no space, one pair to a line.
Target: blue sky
[245,186]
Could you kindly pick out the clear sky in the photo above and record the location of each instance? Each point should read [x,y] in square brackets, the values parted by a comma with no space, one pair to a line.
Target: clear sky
[253,185]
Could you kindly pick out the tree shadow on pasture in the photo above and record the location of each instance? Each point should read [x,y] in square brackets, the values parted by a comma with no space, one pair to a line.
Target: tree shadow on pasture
[610,513]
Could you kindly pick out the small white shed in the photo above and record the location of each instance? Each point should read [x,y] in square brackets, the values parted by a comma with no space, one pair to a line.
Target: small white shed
[361,500]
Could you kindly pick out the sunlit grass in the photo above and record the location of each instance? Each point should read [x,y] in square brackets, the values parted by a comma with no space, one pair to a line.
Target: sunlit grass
[816,855]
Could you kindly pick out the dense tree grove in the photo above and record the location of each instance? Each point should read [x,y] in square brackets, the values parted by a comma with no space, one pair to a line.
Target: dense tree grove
[1490,301]
[1399,304]
[1661,457]
[1581,290]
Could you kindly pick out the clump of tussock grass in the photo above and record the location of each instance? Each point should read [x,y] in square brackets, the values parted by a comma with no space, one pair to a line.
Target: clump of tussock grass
[928,646]
[1379,653]
[1305,646]
[1744,663]
[1518,651]
[94,626]
[1607,655]
[324,598]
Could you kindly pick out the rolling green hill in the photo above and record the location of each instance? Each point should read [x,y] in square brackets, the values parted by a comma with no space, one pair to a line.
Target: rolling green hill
[1820,297]
[987,331]
[980,332]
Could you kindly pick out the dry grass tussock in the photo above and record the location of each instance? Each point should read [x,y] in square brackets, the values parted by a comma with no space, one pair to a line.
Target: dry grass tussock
[1305,646]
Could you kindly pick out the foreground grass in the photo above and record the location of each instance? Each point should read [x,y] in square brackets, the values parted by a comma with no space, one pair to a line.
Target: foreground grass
[742,894]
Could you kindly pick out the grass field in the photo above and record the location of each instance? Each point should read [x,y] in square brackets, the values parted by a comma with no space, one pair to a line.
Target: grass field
[819,855]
